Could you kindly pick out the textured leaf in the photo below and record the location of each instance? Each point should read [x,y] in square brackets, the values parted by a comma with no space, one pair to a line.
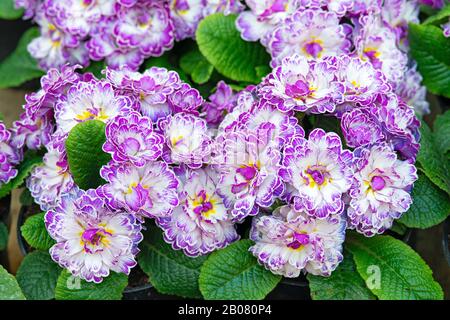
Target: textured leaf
[439,17]
[344,284]
[170,271]
[233,273]
[30,161]
[8,11]
[3,236]
[72,288]
[401,272]
[431,49]
[442,132]
[221,44]
[37,276]
[85,154]
[433,162]
[430,205]
[26,199]
[9,288]
[20,67]
[195,64]
[36,234]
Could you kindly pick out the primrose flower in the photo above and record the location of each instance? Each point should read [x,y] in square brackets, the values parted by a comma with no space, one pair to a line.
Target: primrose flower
[220,102]
[145,25]
[186,15]
[412,92]
[380,189]
[76,17]
[361,80]
[51,180]
[131,139]
[147,191]
[263,17]
[54,47]
[187,139]
[248,165]
[201,223]
[289,241]
[90,239]
[312,33]
[360,128]
[150,89]
[302,85]
[377,43]
[398,14]
[32,132]
[102,44]
[9,156]
[318,173]
[92,100]
[400,125]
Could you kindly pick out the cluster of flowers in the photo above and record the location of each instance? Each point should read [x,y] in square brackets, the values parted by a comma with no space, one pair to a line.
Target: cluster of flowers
[200,167]
[373,30]
[121,32]
[9,156]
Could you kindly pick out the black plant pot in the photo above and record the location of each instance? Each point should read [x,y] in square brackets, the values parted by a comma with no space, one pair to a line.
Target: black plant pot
[445,240]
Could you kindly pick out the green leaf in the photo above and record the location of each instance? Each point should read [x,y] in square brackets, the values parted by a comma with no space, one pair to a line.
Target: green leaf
[170,271]
[399,227]
[96,68]
[432,161]
[439,17]
[3,236]
[85,154]
[344,284]
[9,288]
[20,67]
[37,276]
[69,287]
[234,273]
[30,161]
[195,64]
[35,233]
[441,128]
[221,44]
[430,205]
[431,49]
[8,11]
[391,269]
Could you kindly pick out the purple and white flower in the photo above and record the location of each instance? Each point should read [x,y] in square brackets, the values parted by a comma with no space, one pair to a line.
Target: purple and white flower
[289,241]
[248,165]
[9,156]
[201,223]
[146,191]
[131,139]
[360,128]
[361,80]
[377,43]
[145,25]
[220,102]
[92,240]
[263,17]
[150,89]
[380,189]
[187,139]
[312,33]
[302,85]
[92,100]
[318,173]
[51,180]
